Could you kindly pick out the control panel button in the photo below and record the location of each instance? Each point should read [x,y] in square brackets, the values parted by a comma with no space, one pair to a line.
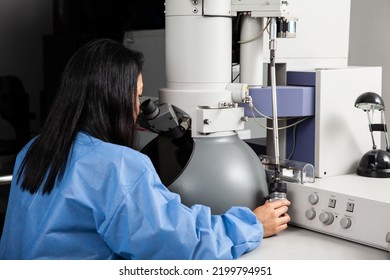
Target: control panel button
[350,206]
[332,203]
[310,214]
[326,218]
[346,222]
[313,199]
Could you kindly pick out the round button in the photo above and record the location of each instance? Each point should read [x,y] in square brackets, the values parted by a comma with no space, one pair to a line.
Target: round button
[326,218]
[313,199]
[346,222]
[310,214]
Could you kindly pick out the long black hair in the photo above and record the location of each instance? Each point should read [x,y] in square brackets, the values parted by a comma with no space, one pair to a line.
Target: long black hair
[97,94]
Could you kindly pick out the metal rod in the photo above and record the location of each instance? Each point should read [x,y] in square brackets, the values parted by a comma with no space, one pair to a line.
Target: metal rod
[4,180]
[272,47]
[275,116]
[372,134]
[385,130]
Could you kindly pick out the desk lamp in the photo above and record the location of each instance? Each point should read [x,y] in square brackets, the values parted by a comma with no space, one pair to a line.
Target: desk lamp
[376,162]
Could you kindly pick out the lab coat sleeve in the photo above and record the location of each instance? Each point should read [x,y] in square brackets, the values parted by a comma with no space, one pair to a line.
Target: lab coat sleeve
[152,223]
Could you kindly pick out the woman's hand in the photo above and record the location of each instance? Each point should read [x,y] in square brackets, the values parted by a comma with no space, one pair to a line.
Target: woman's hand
[273,216]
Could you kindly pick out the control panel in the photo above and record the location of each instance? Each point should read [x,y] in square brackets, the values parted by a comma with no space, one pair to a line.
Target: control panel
[347,206]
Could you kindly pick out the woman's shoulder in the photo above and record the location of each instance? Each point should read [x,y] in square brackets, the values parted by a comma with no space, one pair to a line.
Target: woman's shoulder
[109,161]
[88,146]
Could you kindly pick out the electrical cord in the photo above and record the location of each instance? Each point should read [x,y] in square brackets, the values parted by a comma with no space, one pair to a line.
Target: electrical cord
[256,36]
[293,142]
[254,109]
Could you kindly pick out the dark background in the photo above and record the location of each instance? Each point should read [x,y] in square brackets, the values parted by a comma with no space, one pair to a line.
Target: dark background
[73,23]
[77,21]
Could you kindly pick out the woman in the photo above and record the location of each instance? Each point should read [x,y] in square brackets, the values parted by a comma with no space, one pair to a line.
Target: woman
[81,192]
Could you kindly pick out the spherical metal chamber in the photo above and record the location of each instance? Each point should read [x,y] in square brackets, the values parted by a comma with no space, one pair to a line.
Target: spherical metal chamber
[219,172]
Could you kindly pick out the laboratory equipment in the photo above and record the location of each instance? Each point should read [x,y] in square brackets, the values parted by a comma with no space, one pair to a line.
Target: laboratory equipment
[376,162]
[320,88]
[339,202]
[218,169]
[332,137]
[277,188]
[290,170]
[347,206]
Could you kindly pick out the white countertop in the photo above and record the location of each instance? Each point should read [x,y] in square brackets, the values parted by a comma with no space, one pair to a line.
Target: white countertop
[302,244]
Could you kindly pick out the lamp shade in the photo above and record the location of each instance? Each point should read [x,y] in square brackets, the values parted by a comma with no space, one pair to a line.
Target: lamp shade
[370,101]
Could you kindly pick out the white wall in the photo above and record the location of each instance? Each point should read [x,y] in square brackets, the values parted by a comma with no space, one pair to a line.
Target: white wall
[22,24]
[370,40]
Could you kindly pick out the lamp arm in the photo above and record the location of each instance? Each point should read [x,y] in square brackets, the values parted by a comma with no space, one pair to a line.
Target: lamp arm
[370,126]
[385,130]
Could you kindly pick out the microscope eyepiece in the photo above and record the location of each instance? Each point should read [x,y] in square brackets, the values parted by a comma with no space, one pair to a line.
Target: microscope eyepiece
[149,109]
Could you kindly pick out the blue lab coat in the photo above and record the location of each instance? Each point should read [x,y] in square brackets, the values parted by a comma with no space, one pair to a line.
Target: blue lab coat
[111,204]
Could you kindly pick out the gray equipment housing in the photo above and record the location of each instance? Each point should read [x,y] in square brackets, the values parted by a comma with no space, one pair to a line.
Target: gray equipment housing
[222,172]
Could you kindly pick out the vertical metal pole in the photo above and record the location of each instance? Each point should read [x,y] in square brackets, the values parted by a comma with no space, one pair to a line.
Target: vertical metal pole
[272,46]
[372,134]
[278,189]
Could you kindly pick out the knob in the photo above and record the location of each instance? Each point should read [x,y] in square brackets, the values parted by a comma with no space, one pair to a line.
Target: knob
[326,218]
[313,199]
[310,214]
[346,222]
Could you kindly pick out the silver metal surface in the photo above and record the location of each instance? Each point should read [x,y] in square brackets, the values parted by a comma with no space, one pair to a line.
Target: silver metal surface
[222,172]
